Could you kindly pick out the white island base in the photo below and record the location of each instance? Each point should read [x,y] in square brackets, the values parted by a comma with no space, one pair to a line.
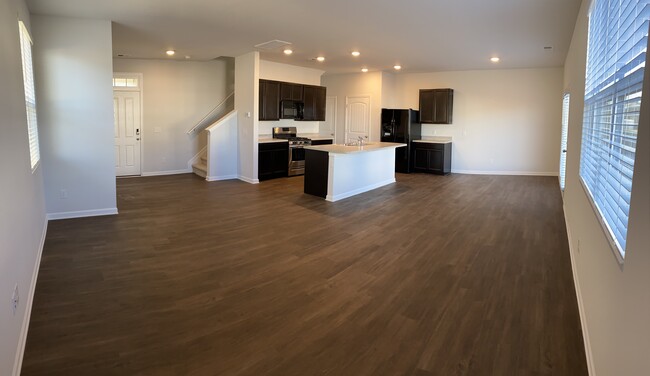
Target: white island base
[336,172]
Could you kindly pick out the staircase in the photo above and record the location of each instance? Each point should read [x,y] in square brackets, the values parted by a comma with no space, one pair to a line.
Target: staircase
[215,128]
[201,166]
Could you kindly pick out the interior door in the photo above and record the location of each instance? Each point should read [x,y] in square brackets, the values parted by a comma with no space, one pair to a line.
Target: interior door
[357,117]
[127,126]
[328,127]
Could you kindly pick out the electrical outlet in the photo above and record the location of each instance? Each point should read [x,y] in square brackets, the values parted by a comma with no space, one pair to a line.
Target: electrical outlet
[435,132]
[15,299]
[64,193]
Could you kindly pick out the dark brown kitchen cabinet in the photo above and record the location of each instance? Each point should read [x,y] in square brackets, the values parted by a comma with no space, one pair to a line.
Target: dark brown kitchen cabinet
[436,106]
[434,158]
[314,99]
[269,100]
[291,92]
[322,142]
[273,160]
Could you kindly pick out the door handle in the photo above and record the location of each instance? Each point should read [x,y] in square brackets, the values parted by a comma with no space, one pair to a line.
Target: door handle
[137,139]
[137,132]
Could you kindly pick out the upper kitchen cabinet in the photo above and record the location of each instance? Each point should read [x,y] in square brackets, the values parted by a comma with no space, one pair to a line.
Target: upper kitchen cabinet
[436,106]
[314,98]
[269,100]
[291,92]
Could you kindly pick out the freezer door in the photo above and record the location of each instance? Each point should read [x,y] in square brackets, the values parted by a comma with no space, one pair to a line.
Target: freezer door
[387,125]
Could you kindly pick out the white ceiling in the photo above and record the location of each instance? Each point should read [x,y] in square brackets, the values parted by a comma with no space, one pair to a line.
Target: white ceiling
[421,35]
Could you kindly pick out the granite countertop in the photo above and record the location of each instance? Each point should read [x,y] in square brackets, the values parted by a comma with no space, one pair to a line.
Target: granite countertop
[344,149]
[435,139]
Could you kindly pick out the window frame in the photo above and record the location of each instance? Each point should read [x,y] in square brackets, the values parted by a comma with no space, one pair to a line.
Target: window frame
[598,96]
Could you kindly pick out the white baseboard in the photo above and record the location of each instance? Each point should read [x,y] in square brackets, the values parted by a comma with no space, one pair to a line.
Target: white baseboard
[581,309]
[222,177]
[248,180]
[353,192]
[524,173]
[22,340]
[81,213]
[169,172]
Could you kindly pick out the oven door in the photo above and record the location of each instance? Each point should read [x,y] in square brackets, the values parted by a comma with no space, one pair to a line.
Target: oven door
[296,160]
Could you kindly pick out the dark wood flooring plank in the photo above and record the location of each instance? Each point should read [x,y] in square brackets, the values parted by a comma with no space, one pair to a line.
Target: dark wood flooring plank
[434,275]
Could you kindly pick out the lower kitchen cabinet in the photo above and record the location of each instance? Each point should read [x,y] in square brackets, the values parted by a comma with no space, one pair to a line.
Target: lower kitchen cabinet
[321,142]
[273,160]
[434,158]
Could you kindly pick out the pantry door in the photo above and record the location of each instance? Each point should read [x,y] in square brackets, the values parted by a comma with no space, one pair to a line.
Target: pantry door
[357,117]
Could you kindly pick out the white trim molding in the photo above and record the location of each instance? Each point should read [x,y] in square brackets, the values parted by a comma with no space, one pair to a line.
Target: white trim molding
[224,177]
[22,340]
[81,214]
[514,173]
[248,180]
[170,172]
[591,369]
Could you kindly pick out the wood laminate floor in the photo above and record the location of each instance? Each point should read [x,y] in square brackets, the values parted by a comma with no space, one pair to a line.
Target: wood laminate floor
[453,275]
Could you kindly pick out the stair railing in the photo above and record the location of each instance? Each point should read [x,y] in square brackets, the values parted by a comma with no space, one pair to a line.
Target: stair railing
[200,123]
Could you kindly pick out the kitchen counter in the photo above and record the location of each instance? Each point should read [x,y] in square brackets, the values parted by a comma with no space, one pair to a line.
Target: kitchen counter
[335,172]
[345,149]
[435,140]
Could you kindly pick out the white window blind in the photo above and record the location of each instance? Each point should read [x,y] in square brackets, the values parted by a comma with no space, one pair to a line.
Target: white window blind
[616,54]
[30,94]
[563,142]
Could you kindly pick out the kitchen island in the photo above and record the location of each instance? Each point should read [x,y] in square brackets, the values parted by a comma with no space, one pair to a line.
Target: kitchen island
[335,172]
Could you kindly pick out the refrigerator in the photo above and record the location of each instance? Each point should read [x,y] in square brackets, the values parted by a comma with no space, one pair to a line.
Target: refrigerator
[403,126]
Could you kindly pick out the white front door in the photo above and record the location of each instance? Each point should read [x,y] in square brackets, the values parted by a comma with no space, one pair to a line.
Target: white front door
[126,119]
[357,117]
[328,127]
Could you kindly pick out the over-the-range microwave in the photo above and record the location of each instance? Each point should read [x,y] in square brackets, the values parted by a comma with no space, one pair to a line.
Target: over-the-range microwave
[291,110]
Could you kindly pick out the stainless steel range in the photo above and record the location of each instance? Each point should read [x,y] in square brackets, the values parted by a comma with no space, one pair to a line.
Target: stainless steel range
[296,148]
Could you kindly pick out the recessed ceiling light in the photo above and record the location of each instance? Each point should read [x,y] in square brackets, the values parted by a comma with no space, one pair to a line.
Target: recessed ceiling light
[356,53]
[320,58]
[364,70]
[397,67]
[188,56]
[495,59]
[288,51]
[170,52]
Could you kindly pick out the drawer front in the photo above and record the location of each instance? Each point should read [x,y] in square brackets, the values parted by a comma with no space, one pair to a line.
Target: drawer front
[273,146]
[321,142]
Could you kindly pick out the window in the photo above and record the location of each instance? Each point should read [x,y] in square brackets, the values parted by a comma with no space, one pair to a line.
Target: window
[30,95]
[563,142]
[616,54]
[123,82]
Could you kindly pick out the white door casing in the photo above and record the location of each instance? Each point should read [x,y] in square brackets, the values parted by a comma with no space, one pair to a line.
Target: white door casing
[127,130]
[357,117]
[328,127]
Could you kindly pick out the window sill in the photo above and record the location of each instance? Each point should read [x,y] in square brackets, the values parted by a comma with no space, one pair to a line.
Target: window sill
[613,244]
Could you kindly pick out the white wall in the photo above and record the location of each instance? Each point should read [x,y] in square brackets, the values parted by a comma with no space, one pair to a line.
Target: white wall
[346,85]
[22,206]
[247,74]
[504,121]
[289,73]
[222,150]
[73,65]
[614,300]
[177,95]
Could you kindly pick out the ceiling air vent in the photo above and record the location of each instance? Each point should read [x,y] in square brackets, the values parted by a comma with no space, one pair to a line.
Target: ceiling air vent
[272,45]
